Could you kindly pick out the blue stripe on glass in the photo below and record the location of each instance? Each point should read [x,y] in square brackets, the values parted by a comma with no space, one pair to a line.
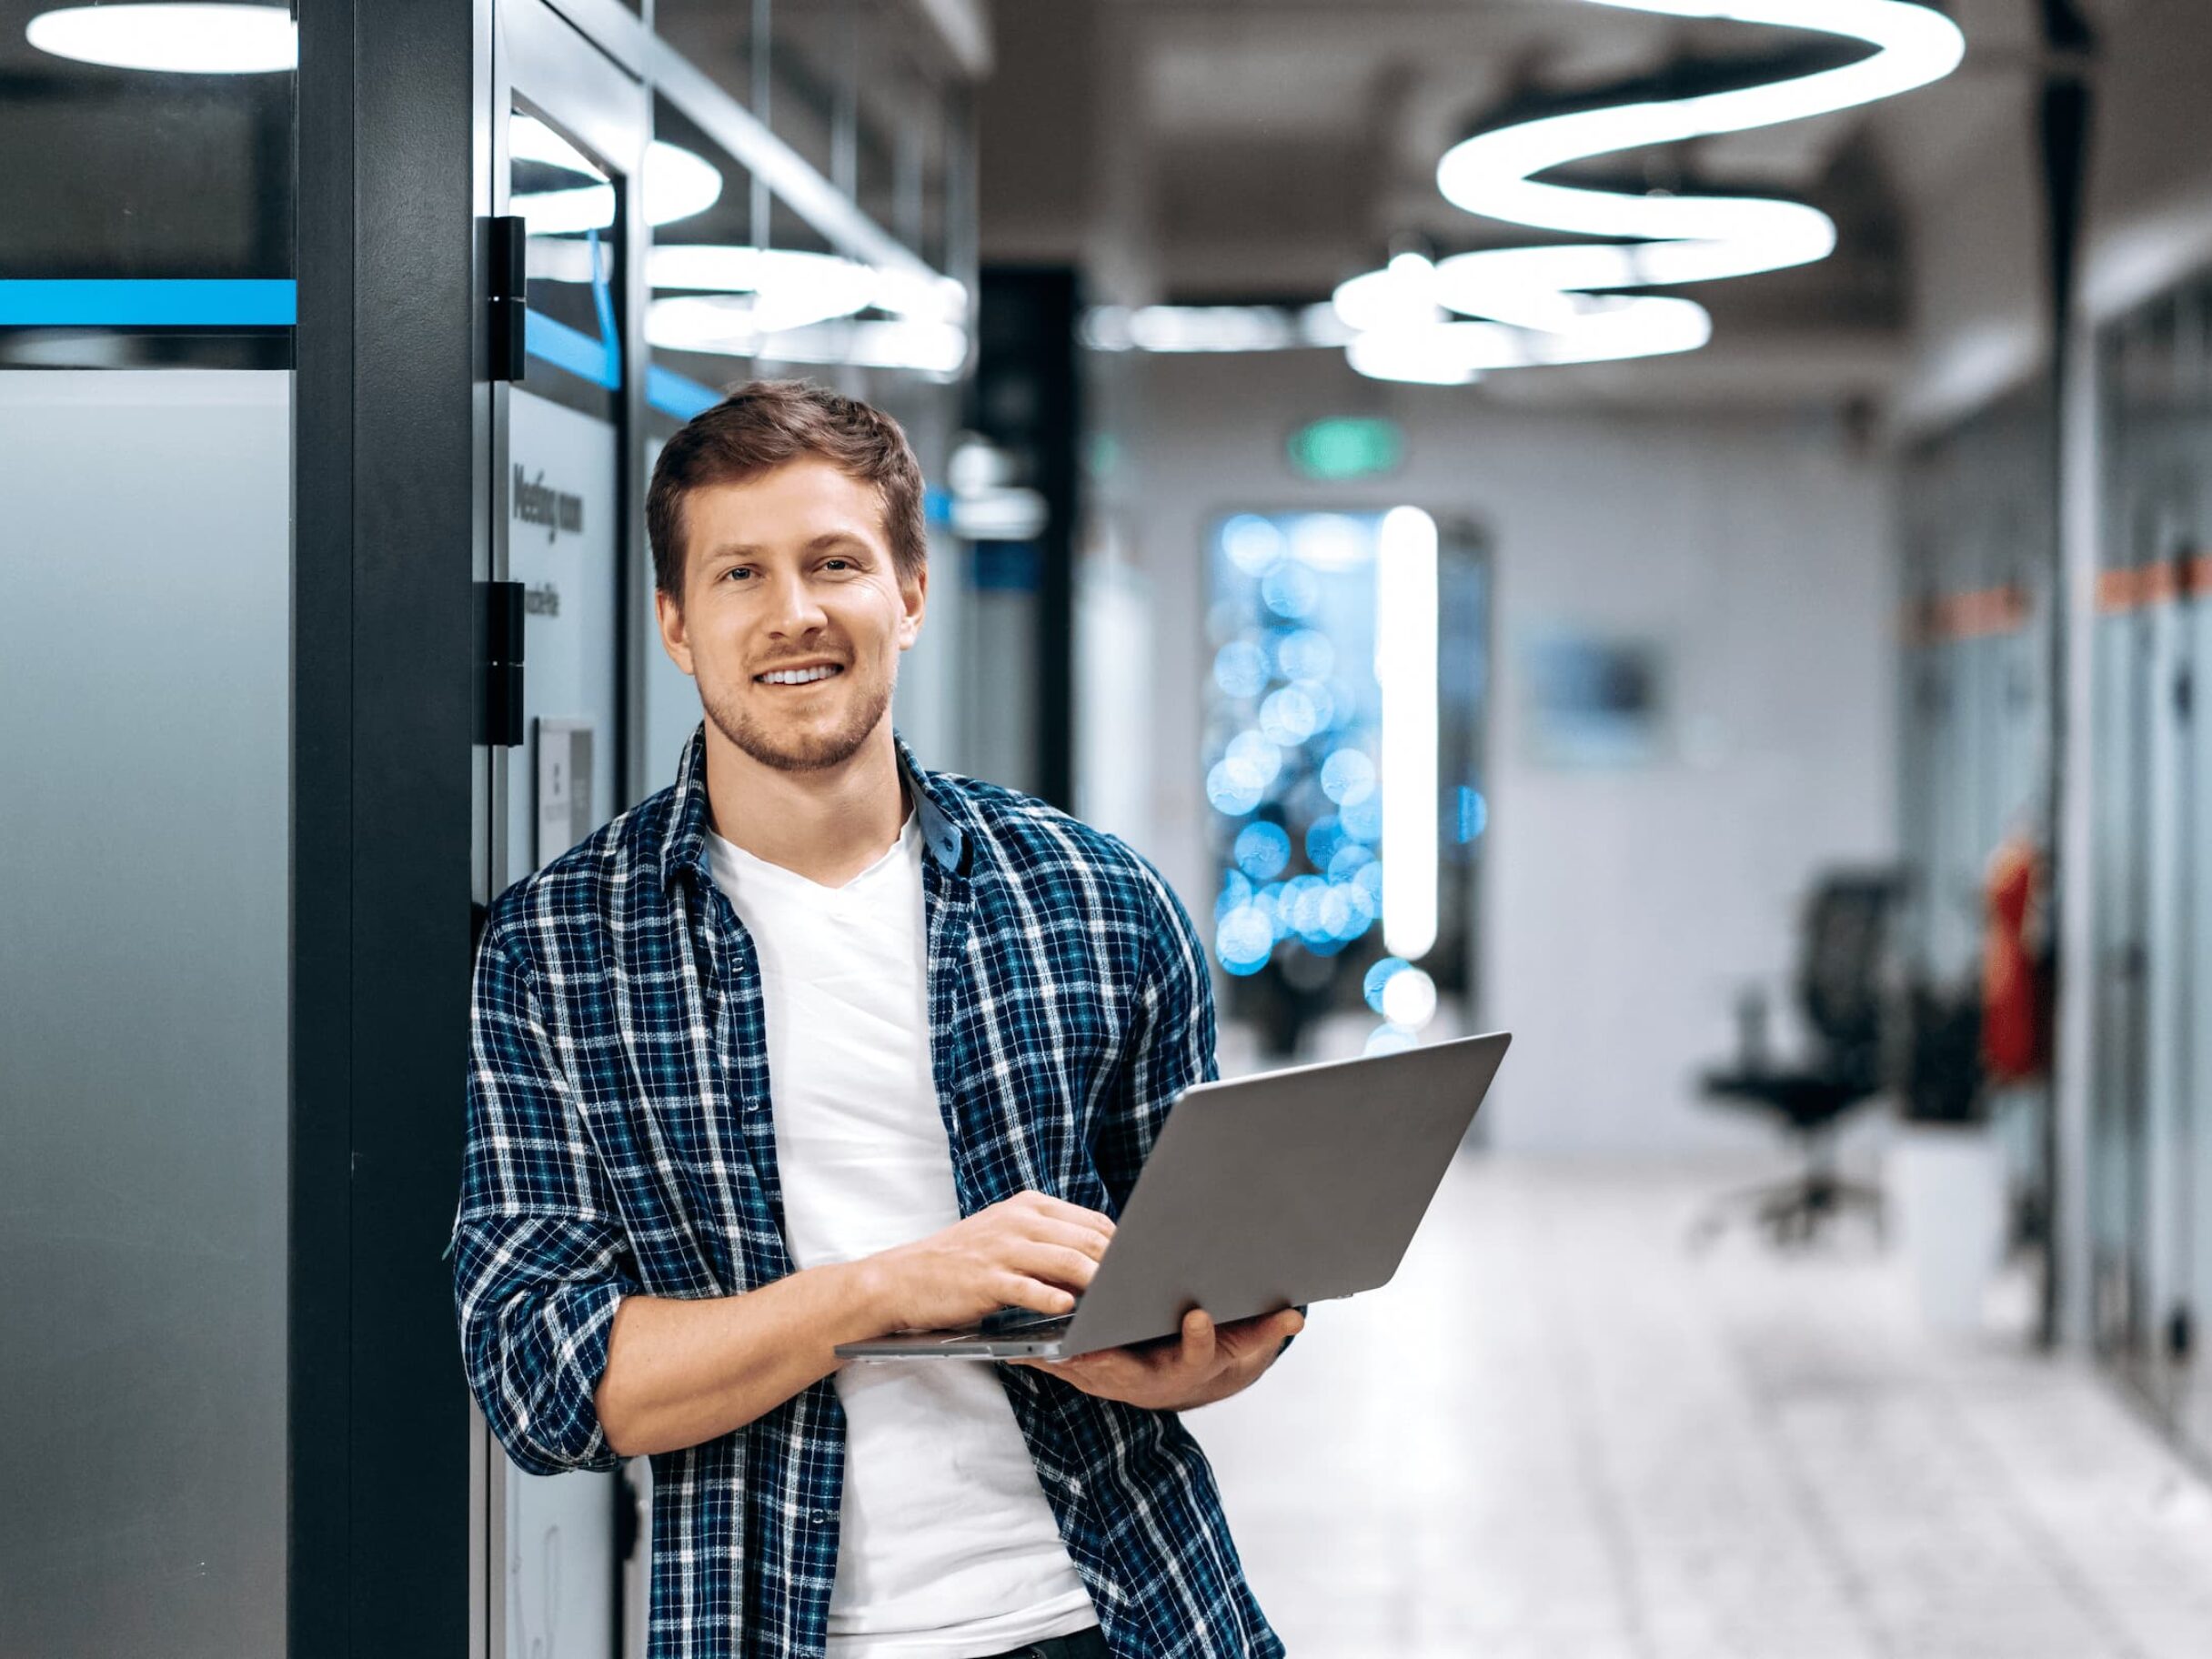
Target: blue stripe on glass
[149,304]
[552,341]
[678,394]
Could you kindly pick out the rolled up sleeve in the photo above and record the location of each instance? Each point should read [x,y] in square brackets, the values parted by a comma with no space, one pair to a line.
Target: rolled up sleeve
[540,1260]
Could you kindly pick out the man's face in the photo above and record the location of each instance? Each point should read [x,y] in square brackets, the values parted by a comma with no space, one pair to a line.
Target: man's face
[790,574]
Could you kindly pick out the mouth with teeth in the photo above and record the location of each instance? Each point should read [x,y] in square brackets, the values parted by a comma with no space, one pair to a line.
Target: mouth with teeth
[800,677]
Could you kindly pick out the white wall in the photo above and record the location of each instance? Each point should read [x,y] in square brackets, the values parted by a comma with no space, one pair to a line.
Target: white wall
[1626,908]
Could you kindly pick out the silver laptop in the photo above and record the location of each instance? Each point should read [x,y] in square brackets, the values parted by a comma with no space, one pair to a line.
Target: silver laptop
[1270,1192]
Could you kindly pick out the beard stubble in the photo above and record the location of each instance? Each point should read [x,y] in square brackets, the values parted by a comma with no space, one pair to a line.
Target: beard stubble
[808,751]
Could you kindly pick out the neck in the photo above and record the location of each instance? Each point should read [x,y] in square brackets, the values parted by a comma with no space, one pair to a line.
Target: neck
[827,826]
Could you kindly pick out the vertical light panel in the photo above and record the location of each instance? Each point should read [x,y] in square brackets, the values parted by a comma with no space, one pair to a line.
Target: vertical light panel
[1405,667]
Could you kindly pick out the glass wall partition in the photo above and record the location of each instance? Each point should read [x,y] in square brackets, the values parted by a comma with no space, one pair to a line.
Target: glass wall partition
[145,310]
[1979,521]
[2151,1140]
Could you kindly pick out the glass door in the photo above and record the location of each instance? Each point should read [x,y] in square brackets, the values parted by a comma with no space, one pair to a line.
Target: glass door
[568,156]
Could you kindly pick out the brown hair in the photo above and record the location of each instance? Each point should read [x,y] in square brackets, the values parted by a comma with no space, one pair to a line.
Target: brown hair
[761,426]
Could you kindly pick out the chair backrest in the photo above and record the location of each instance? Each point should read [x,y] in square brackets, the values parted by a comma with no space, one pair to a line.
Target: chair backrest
[1840,975]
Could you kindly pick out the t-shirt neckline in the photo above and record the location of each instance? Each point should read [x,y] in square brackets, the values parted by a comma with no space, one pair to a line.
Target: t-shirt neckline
[753,865]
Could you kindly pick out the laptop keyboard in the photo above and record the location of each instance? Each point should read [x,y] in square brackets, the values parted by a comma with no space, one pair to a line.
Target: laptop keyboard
[1025,1328]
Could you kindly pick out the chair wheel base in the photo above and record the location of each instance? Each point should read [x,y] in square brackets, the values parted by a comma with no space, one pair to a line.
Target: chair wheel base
[1792,1214]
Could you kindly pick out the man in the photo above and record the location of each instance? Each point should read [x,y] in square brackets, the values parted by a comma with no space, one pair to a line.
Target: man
[816,1046]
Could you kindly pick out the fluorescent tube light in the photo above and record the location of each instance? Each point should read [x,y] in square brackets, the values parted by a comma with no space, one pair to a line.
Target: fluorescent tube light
[171,40]
[711,323]
[1405,665]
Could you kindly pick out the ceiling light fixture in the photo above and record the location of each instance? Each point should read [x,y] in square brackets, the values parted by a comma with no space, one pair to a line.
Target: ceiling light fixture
[1203,329]
[712,323]
[1541,304]
[850,284]
[171,39]
[678,182]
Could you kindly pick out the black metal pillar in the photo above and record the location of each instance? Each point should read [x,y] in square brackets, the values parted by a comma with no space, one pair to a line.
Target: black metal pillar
[388,442]
[1026,400]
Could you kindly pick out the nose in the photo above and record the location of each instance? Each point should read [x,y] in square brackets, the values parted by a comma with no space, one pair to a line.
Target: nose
[792,609]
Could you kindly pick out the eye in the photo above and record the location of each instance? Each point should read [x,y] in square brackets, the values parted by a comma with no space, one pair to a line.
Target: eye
[736,571]
[839,562]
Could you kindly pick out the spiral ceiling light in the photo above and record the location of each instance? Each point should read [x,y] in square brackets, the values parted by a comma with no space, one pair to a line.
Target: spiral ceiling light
[1446,322]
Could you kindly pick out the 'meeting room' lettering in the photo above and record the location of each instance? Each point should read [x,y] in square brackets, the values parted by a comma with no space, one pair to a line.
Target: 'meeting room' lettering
[538,502]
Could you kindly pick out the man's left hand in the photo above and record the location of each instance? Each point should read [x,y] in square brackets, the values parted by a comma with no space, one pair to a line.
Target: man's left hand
[1206,1364]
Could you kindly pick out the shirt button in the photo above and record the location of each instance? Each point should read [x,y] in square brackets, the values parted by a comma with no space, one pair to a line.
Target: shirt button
[821,1517]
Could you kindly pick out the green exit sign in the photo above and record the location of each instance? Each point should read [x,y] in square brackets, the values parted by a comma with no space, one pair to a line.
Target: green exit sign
[1347,447]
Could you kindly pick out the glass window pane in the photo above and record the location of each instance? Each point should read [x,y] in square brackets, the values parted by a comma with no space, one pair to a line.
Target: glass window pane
[572,207]
[142,998]
[146,222]
[718,36]
[810,54]
[176,185]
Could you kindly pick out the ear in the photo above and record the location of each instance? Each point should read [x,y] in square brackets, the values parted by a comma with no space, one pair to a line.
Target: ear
[914,599]
[671,616]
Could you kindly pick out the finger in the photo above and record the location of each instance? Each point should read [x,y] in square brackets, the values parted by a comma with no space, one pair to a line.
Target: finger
[1263,1328]
[1059,1209]
[1060,1264]
[1073,1235]
[1201,1343]
[1019,1291]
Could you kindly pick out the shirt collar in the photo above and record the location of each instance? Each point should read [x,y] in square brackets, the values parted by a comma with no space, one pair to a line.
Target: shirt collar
[686,846]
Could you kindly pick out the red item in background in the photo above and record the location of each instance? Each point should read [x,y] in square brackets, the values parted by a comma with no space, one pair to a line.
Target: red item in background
[2012,1004]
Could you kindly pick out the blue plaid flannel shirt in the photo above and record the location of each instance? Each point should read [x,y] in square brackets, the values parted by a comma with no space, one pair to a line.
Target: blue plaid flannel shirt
[620,1141]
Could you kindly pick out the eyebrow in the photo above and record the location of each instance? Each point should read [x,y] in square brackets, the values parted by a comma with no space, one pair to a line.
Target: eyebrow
[828,539]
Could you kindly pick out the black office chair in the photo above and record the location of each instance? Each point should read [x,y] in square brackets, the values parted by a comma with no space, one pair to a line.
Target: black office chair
[1840,988]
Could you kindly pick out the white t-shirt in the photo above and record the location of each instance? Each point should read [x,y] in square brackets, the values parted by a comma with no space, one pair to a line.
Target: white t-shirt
[947,1546]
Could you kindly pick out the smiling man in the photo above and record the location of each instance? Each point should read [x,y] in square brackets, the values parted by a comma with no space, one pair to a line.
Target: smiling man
[816,1046]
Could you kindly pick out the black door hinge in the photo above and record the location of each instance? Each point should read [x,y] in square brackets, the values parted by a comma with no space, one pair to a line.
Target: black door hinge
[506,296]
[498,698]
[629,1516]
[2184,694]
[2180,1334]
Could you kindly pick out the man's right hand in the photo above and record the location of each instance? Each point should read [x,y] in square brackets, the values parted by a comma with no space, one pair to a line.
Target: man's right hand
[1029,1251]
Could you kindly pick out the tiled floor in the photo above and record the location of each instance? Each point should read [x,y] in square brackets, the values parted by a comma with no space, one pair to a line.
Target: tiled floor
[1558,1434]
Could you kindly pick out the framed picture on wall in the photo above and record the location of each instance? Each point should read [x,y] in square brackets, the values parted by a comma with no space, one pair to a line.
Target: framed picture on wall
[1591,700]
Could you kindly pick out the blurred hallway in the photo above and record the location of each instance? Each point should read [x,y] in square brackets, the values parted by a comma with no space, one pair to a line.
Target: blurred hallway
[1558,1434]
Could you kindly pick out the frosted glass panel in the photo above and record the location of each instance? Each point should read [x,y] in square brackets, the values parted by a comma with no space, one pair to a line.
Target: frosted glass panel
[145,624]
[563,535]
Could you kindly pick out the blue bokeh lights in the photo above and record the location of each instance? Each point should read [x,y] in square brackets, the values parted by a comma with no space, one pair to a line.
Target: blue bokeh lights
[1380,975]
[1296,780]
[1234,790]
[1363,818]
[1289,717]
[1262,848]
[1347,775]
[1291,591]
[1304,653]
[1254,545]
[1244,939]
[1241,668]
[1324,840]
[1348,860]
